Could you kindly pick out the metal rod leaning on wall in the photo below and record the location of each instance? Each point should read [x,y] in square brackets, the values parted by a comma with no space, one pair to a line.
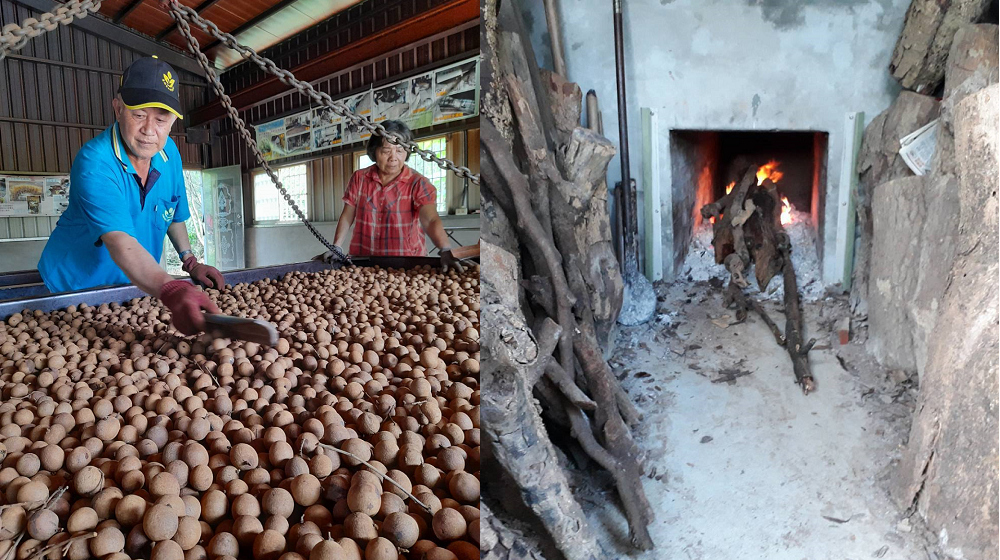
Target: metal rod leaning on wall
[628,204]
[555,35]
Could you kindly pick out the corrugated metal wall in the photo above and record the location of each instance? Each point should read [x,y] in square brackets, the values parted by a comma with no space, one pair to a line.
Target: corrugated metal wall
[328,177]
[55,95]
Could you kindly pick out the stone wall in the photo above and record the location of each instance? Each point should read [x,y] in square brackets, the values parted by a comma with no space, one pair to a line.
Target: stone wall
[950,467]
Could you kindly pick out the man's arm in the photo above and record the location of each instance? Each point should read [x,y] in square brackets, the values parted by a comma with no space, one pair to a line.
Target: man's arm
[207,276]
[136,262]
[178,234]
[344,224]
[431,223]
[186,302]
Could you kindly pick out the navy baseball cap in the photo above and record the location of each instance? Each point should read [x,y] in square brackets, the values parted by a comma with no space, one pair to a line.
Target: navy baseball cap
[150,82]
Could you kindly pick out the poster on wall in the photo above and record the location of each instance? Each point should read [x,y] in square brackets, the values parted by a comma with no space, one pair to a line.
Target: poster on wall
[33,195]
[296,125]
[328,137]
[455,92]
[57,190]
[324,116]
[421,94]
[271,139]
[438,96]
[298,144]
[421,101]
[390,102]
[360,105]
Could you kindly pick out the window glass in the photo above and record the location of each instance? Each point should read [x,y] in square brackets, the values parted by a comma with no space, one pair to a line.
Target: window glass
[195,225]
[269,205]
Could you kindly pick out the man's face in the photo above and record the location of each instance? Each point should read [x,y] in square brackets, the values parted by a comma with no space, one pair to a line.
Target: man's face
[145,131]
[390,158]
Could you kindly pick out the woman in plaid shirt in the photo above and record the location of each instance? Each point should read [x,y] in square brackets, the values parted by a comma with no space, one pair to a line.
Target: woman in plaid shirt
[391,206]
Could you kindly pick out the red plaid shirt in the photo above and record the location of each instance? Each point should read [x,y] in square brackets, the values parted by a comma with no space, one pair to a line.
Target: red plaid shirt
[387,218]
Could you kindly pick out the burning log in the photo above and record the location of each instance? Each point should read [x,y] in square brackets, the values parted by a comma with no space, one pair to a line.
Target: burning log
[750,231]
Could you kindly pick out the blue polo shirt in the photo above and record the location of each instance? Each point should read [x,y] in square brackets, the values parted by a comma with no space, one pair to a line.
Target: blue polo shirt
[106,195]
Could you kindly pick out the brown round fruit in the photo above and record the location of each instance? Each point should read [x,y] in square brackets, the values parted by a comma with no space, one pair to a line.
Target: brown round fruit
[401,529]
[167,550]
[160,522]
[448,524]
[380,549]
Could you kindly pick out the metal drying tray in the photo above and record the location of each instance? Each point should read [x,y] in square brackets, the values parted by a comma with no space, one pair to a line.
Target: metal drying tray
[35,296]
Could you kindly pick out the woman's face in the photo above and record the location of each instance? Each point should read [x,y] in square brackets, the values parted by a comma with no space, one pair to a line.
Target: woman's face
[390,158]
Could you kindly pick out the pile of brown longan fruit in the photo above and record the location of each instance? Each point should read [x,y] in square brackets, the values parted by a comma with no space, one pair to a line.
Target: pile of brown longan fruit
[356,437]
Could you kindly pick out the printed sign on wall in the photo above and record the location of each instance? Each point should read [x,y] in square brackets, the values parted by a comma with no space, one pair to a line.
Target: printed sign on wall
[33,195]
[436,97]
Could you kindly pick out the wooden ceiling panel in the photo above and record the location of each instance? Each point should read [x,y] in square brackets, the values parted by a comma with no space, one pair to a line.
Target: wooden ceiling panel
[111,7]
[224,18]
[275,20]
[178,41]
[148,19]
[239,10]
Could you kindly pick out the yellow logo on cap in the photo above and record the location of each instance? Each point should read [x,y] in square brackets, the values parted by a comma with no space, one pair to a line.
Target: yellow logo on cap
[168,80]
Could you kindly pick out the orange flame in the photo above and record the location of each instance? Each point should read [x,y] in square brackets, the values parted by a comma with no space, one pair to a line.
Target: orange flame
[729,187]
[769,171]
[786,211]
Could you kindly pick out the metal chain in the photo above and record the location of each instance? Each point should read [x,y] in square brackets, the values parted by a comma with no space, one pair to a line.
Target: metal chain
[13,37]
[213,78]
[180,11]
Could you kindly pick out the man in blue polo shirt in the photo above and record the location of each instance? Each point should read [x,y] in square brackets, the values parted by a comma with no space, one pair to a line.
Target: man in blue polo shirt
[127,193]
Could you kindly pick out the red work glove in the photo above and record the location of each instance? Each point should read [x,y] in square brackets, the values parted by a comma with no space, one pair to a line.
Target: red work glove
[205,275]
[185,303]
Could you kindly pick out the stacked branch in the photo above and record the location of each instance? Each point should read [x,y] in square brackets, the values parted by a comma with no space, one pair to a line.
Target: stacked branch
[747,232]
[557,288]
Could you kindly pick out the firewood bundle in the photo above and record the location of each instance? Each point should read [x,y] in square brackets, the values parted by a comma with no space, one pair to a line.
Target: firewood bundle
[551,291]
[747,232]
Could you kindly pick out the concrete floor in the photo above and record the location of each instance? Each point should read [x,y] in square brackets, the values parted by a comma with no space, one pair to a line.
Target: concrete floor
[754,469]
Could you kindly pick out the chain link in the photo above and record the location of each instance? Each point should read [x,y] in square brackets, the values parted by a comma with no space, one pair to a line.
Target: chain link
[241,126]
[13,37]
[322,98]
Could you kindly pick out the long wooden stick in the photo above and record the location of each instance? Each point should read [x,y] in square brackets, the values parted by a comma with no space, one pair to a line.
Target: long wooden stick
[380,475]
[797,349]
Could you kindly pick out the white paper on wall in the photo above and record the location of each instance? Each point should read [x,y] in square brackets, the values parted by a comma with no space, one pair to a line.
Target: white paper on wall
[917,148]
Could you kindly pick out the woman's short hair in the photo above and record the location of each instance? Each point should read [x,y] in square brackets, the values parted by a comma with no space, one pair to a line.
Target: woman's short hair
[396,127]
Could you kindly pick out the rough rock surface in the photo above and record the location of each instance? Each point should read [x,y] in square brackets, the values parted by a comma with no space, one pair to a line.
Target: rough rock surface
[913,248]
[972,62]
[878,163]
[921,52]
[949,471]
[899,212]
[972,65]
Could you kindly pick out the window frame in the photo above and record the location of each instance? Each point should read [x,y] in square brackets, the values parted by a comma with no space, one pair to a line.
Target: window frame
[281,201]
